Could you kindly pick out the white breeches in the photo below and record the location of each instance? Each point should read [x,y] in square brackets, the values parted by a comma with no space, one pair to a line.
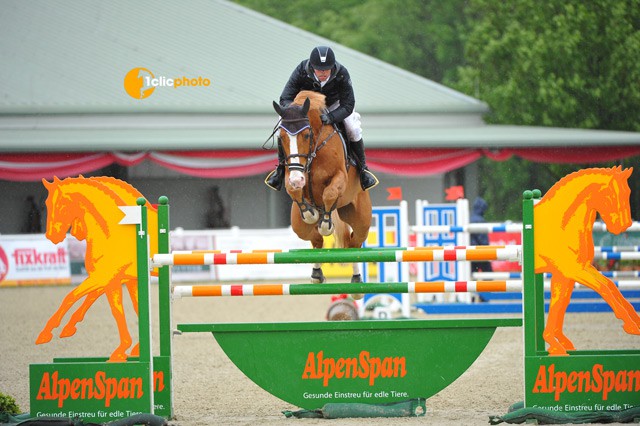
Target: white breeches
[352,124]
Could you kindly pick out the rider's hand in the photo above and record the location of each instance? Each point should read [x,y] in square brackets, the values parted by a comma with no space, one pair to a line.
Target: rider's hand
[326,118]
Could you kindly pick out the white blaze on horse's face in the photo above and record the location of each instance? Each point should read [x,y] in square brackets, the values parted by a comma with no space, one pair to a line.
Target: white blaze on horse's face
[296,177]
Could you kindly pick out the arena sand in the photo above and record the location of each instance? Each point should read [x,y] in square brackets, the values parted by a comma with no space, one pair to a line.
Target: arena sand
[210,390]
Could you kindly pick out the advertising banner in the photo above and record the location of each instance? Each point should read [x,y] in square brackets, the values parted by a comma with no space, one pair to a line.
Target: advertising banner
[33,260]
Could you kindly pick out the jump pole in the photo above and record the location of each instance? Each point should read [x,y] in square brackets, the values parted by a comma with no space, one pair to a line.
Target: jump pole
[352,288]
[340,256]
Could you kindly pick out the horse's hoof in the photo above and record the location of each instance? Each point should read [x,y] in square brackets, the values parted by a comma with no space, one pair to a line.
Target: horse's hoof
[135,351]
[566,343]
[557,350]
[310,217]
[317,277]
[44,337]
[118,356]
[326,228]
[68,331]
[631,328]
[356,278]
[342,310]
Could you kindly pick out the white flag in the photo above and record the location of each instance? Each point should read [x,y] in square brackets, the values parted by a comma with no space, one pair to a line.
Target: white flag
[132,215]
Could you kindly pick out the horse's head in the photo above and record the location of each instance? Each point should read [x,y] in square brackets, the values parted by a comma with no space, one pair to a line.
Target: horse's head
[61,213]
[296,139]
[300,128]
[613,205]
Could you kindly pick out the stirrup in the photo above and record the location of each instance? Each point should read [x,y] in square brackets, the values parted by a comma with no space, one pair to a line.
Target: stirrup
[274,179]
[368,180]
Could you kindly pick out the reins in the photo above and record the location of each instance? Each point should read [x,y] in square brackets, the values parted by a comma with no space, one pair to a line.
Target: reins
[275,129]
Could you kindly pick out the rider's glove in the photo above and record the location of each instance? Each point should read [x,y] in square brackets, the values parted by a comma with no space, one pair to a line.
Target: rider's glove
[327,118]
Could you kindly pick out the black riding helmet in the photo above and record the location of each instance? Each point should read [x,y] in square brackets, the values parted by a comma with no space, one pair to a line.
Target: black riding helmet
[322,58]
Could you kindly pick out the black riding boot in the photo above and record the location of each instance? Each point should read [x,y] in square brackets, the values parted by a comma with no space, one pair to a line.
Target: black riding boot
[367,179]
[275,178]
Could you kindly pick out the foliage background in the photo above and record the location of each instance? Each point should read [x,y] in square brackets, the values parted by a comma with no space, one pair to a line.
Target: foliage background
[560,63]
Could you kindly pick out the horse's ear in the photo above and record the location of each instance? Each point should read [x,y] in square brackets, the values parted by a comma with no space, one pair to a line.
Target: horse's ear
[305,106]
[277,107]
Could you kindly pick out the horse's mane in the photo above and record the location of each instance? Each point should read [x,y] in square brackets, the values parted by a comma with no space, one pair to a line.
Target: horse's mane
[80,184]
[118,185]
[580,173]
[318,104]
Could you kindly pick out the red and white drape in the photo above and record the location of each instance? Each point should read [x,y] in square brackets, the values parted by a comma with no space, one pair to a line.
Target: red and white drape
[240,163]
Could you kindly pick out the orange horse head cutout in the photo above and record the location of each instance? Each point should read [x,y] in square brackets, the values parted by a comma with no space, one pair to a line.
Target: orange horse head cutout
[88,208]
[563,236]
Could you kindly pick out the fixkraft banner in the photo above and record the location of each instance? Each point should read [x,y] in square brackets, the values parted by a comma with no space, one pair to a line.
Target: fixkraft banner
[33,260]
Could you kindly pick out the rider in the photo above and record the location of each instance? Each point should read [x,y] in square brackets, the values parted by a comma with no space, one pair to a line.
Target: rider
[321,73]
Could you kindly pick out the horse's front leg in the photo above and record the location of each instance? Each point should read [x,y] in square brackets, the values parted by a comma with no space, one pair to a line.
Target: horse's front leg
[307,212]
[330,196]
[621,307]
[88,286]
[310,233]
[78,316]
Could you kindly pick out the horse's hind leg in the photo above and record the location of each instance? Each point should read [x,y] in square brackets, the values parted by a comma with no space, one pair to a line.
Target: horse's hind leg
[561,289]
[359,219]
[114,295]
[132,288]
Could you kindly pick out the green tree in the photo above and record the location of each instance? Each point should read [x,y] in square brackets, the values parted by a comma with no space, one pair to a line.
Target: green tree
[565,63]
[561,63]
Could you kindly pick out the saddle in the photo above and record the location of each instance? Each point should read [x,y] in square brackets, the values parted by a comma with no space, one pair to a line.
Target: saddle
[342,132]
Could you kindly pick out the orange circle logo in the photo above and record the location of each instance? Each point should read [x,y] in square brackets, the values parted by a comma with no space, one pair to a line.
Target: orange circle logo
[134,83]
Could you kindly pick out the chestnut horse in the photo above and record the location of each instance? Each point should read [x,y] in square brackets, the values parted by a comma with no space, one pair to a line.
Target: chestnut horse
[324,187]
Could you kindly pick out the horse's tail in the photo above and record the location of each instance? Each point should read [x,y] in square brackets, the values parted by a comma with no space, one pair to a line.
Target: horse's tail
[341,231]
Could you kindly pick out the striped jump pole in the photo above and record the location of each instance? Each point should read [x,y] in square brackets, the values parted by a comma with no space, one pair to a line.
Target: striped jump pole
[616,249]
[350,288]
[471,228]
[627,255]
[602,227]
[518,275]
[485,228]
[338,256]
[444,247]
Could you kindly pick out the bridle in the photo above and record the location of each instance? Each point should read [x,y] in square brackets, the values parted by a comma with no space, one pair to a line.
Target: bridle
[294,126]
[293,121]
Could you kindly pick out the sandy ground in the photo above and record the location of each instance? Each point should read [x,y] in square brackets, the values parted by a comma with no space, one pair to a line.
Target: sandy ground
[210,390]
